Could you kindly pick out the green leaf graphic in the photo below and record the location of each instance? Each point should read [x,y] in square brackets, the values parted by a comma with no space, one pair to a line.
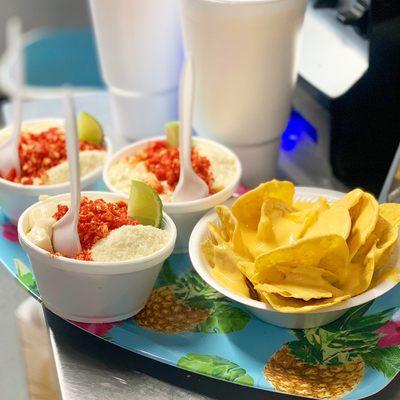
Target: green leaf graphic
[352,336]
[354,314]
[386,360]
[194,292]
[25,276]
[167,276]
[216,367]
[225,318]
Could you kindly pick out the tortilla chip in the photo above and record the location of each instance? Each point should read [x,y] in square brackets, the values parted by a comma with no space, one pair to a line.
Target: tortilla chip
[248,269]
[300,283]
[226,271]
[275,226]
[328,252]
[379,244]
[350,199]
[298,306]
[333,221]
[207,249]
[228,222]
[363,209]
[215,234]
[310,215]
[247,208]
[391,213]
[223,262]
[230,232]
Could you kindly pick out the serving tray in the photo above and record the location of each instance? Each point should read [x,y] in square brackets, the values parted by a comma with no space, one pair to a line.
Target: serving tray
[189,325]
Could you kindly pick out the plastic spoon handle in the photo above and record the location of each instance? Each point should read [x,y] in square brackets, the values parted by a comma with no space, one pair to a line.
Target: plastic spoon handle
[9,150]
[73,156]
[186,115]
[190,186]
[14,140]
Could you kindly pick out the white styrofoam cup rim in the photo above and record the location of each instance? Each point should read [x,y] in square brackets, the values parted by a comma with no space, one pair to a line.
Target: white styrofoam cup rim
[187,206]
[43,189]
[93,267]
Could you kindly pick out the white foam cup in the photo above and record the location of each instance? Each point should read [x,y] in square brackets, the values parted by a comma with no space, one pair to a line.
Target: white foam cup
[245,58]
[139,43]
[137,116]
[259,161]
[94,292]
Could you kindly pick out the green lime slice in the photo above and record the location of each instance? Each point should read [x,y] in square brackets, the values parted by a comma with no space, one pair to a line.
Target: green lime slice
[144,204]
[171,130]
[89,129]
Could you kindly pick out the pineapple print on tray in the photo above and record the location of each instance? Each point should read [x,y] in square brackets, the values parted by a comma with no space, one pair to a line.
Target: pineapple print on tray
[187,303]
[329,362]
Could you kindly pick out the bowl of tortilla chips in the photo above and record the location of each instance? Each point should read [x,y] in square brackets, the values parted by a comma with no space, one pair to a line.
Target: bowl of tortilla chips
[299,257]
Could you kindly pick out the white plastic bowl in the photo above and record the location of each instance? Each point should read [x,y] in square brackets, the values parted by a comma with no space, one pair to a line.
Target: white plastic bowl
[15,198]
[184,214]
[264,311]
[94,292]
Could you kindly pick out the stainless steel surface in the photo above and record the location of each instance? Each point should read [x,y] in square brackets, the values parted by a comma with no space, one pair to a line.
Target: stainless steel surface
[12,375]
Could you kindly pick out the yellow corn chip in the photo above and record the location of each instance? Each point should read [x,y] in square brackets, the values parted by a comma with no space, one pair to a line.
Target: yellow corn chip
[363,209]
[301,257]
[223,262]
[391,212]
[350,199]
[333,221]
[300,283]
[230,231]
[247,208]
[328,252]
[297,306]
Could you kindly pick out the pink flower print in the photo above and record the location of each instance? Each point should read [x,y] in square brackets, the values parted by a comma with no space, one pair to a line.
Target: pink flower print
[96,329]
[390,332]
[242,190]
[10,232]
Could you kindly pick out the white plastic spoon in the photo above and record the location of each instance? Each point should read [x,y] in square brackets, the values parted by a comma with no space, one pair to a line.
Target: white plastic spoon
[65,231]
[9,157]
[190,186]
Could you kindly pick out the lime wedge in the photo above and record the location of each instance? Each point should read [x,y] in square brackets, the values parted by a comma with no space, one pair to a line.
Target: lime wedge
[144,204]
[172,132]
[89,129]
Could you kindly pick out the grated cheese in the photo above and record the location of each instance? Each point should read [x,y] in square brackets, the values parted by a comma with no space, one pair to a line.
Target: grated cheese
[129,242]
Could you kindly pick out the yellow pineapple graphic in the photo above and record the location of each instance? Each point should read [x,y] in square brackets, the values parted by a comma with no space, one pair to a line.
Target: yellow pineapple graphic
[164,313]
[187,303]
[287,373]
[329,362]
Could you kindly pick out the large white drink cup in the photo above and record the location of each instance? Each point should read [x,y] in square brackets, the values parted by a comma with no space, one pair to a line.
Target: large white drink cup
[140,49]
[245,56]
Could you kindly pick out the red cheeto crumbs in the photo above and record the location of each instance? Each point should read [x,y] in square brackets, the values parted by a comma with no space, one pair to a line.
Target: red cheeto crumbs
[96,219]
[40,152]
[163,161]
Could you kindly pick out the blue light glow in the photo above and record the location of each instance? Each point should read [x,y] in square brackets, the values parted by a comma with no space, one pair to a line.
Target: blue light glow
[297,128]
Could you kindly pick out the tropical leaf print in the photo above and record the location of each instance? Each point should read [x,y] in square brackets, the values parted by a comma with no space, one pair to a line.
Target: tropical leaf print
[26,277]
[386,360]
[216,367]
[194,292]
[167,276]
[224,318]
